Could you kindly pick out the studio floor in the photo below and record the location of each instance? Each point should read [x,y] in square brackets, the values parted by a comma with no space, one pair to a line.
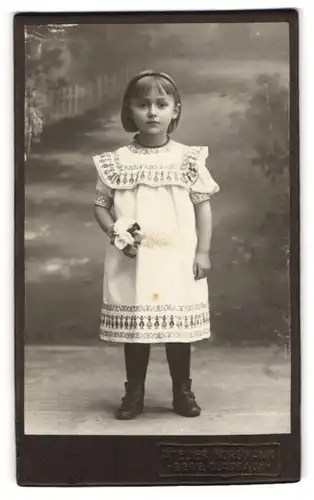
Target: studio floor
[75,390]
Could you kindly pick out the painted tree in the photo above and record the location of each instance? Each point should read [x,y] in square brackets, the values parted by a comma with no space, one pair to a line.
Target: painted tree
[45,48]
[267,118]
[265,126]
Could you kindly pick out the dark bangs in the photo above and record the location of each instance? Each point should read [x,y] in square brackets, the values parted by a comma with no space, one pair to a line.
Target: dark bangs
[140,88]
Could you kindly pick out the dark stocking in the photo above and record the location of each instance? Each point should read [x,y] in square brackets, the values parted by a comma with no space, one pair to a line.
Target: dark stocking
[136,361]
[179,359]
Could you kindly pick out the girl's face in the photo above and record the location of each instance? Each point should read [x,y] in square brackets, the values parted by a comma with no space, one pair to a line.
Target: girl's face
[153,112]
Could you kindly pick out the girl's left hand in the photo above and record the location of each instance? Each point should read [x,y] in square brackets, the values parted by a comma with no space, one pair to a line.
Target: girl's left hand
[201,265]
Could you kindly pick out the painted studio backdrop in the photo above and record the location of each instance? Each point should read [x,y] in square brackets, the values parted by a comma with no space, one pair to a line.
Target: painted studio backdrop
[234,83]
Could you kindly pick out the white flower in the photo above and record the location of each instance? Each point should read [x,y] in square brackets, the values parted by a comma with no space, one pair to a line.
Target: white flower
[123,240]
[121,229]
[122,225]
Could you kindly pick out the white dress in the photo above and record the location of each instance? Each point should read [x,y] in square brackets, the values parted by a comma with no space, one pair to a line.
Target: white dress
[154,297]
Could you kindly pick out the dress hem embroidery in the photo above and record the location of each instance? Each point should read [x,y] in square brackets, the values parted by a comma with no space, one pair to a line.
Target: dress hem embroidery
[150,308]
[154,338]
[154,323]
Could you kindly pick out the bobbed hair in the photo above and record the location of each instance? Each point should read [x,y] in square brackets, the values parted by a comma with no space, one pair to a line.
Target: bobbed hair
[138,87]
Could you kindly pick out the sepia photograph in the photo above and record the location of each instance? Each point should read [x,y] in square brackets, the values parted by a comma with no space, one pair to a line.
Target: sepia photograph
[157,229]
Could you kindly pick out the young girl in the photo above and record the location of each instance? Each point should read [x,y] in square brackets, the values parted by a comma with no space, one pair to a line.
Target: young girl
[152,200]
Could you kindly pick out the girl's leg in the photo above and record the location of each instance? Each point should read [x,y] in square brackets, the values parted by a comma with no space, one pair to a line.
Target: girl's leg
[179,360]
[136,362]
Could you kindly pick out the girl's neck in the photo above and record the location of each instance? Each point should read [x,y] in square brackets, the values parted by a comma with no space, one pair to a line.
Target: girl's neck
[152,141]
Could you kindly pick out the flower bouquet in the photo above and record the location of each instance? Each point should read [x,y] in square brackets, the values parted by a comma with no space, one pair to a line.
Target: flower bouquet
[127,236]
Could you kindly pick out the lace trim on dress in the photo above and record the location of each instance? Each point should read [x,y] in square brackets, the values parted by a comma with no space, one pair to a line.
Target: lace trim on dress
[102,201]
[154,322]
[199,197]
[120,176]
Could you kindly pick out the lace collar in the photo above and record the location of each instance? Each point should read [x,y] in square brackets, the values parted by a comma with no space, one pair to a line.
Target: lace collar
[119,175]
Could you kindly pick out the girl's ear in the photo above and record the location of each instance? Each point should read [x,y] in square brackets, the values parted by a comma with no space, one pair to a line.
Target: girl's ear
[176,111]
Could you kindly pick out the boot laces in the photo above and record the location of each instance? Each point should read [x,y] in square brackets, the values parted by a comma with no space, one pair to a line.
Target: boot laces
[129,397]
[125,399]
[190,396]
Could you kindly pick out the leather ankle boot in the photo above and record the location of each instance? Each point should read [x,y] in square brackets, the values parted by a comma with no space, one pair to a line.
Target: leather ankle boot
[132,403]
[184,403]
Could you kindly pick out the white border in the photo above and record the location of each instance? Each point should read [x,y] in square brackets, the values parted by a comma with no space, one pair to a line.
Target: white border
[7,469]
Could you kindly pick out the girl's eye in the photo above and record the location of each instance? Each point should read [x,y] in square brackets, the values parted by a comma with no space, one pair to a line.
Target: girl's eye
[162,104]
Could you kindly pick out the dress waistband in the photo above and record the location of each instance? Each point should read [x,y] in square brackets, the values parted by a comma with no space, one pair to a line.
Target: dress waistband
[159,239]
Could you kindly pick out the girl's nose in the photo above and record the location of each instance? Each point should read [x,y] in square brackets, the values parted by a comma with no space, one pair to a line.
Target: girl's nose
[152,110]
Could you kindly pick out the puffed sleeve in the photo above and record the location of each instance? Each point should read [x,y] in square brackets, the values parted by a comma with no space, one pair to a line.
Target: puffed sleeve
[104,191]
[205,186]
